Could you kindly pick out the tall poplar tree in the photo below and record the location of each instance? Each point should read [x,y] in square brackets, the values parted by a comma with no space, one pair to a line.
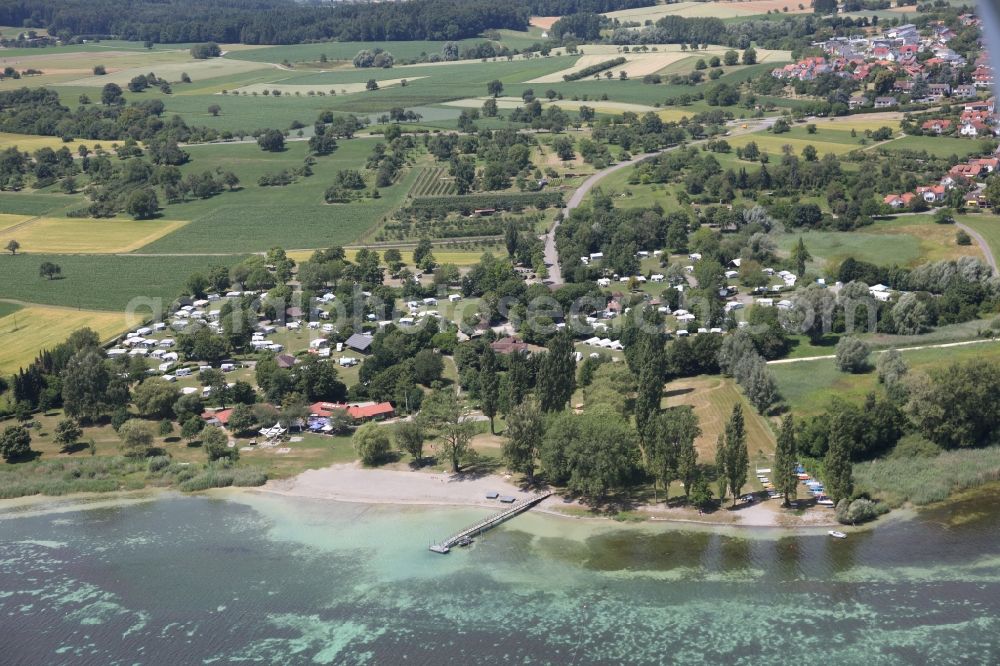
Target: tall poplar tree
[720,467]
[737,458]
[489,385]
[800,255]
[837,464]
[557,374]
[651,363]
[783,474]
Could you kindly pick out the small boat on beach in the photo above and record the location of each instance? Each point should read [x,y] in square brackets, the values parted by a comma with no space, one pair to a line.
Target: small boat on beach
[836,534]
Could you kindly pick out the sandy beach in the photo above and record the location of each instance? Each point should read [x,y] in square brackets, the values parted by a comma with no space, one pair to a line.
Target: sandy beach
[353,483]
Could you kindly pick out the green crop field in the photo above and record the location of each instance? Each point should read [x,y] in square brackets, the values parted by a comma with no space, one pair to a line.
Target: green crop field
[22,203]
[108,282]
[256,218]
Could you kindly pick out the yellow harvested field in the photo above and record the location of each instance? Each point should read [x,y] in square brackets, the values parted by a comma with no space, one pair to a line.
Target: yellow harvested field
[441,255]
[721,10]
[72,235]
[30,143]
[341,88]
[23,334]
[713,399]
[772,144]
[9,221]
[861,123]
[171,70]
[648,62]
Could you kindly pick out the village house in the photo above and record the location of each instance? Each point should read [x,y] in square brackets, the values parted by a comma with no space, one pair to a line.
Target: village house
[885,102]
[932,193]
[965,91]
[938,126]
[975,128]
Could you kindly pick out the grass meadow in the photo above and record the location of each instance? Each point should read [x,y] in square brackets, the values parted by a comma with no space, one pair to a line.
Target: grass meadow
[904,241]
[808,386]
[937,146]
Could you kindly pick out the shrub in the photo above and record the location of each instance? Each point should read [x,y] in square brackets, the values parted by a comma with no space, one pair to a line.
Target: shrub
[157,463]
[859,511]
[963,238]
[852,355]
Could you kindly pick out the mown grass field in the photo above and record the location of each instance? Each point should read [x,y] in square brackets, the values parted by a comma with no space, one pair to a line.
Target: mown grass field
[938,146]
[72,235]
[808,386]
[713,399]
[294,216]
[108,282]
[28,330]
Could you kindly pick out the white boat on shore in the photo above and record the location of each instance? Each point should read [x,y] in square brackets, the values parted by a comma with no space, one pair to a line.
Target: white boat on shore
[836,534]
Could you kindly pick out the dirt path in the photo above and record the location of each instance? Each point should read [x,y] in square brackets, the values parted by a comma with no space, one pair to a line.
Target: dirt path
[945,345]
[983,245]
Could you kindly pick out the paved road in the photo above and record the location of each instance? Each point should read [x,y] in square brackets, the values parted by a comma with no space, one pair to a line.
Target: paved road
[552,253]
[782,361]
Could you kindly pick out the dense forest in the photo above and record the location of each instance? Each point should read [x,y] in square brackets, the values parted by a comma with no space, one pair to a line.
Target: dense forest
[284,21]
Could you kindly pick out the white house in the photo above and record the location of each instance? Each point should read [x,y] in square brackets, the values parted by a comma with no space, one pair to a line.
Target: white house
[656,277]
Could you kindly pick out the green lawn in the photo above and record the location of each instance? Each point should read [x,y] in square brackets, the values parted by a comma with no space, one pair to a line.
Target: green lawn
[108,282]
[808,386]
[938,146]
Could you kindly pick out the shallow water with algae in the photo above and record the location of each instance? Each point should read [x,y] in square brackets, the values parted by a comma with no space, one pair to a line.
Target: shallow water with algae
[250,578]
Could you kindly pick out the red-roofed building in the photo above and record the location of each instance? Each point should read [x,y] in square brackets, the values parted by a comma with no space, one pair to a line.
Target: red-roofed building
[990,164]
[894,200]
[937,126]
[968,171]
[217,417]
[509,345]
[932,193]
[365,411]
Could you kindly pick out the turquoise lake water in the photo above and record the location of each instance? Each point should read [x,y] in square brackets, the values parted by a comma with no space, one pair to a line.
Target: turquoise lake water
[256,579]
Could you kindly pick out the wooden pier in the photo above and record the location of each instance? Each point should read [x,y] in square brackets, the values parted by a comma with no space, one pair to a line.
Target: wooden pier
[488,523]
